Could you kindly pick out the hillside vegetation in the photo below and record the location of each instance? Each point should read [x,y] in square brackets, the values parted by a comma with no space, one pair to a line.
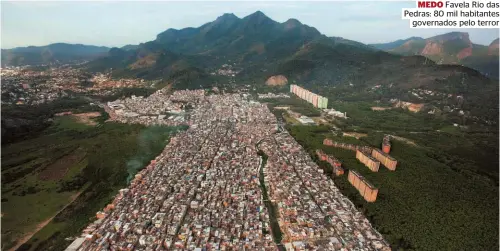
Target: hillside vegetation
[72,167]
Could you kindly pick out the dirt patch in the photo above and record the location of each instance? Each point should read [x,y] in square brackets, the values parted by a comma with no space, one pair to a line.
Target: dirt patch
[86,118]
[410,142]
[278,80]
[378,108]
[356,135]
[60,167]
[63,114]
[144,62]
[410,106]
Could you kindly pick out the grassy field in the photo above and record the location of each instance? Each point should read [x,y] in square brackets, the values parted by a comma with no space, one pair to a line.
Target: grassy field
[41,176]
[427,203]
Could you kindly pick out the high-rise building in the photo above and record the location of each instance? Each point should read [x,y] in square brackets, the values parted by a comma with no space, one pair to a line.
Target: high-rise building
[365,188]
[385,159]
[368,160]
[315,99]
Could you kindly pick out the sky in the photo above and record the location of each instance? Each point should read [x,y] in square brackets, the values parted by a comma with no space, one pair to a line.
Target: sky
[118,23]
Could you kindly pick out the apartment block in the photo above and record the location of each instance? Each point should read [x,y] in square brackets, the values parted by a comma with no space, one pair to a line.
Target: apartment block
[385,159]
[368,160]
[365,188]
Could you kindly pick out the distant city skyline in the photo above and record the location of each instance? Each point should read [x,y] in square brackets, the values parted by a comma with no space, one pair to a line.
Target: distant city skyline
[118,23]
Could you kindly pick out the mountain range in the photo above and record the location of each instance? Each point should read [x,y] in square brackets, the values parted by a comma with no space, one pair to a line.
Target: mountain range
[256,47]
[449,48]
[50,54]
[255,43]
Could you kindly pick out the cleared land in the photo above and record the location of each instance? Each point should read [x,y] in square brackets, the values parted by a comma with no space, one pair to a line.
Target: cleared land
[87,118]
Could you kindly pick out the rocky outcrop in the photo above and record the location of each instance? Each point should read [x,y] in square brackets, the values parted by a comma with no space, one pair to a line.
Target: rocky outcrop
[466,52]
[436,45]
[493,47]
[432,48]
[278,80]
[407,105]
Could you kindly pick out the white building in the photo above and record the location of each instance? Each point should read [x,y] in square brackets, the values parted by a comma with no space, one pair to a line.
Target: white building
[305,120]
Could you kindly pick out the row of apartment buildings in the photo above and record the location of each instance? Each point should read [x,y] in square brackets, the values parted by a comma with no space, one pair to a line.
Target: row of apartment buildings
[370,157]
[315,99]
[334,162]
[329,142]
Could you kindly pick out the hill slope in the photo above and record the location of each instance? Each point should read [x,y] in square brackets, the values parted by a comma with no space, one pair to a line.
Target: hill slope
[449,48]
[53,53]
[261,47]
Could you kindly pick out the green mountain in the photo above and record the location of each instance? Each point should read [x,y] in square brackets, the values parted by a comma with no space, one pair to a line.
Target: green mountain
[51,54]
[259,47]
[193,53]
[450,48]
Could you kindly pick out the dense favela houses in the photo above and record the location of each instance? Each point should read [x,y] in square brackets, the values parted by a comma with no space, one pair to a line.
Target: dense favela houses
[205,192]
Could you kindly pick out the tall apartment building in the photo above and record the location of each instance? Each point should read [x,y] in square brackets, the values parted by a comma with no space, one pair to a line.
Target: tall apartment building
[315,99]
[368,160]
[365,188]
[385,159]
[386,144]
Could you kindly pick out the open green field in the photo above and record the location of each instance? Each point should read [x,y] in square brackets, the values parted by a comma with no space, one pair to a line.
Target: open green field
[435,200]
[69,161]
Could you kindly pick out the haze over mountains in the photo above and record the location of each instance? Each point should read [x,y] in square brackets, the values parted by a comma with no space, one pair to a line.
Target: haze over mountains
[449,48]
[53,53]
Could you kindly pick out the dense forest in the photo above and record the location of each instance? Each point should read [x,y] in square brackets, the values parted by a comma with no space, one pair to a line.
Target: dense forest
[431,201]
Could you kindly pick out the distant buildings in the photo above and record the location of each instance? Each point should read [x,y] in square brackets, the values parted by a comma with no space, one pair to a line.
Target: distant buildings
[272,95]
[305,120]
[335,113]
[329,142]
[315,99]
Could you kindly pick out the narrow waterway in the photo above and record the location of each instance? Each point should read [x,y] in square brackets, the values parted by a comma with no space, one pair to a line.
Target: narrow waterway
[271,208]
